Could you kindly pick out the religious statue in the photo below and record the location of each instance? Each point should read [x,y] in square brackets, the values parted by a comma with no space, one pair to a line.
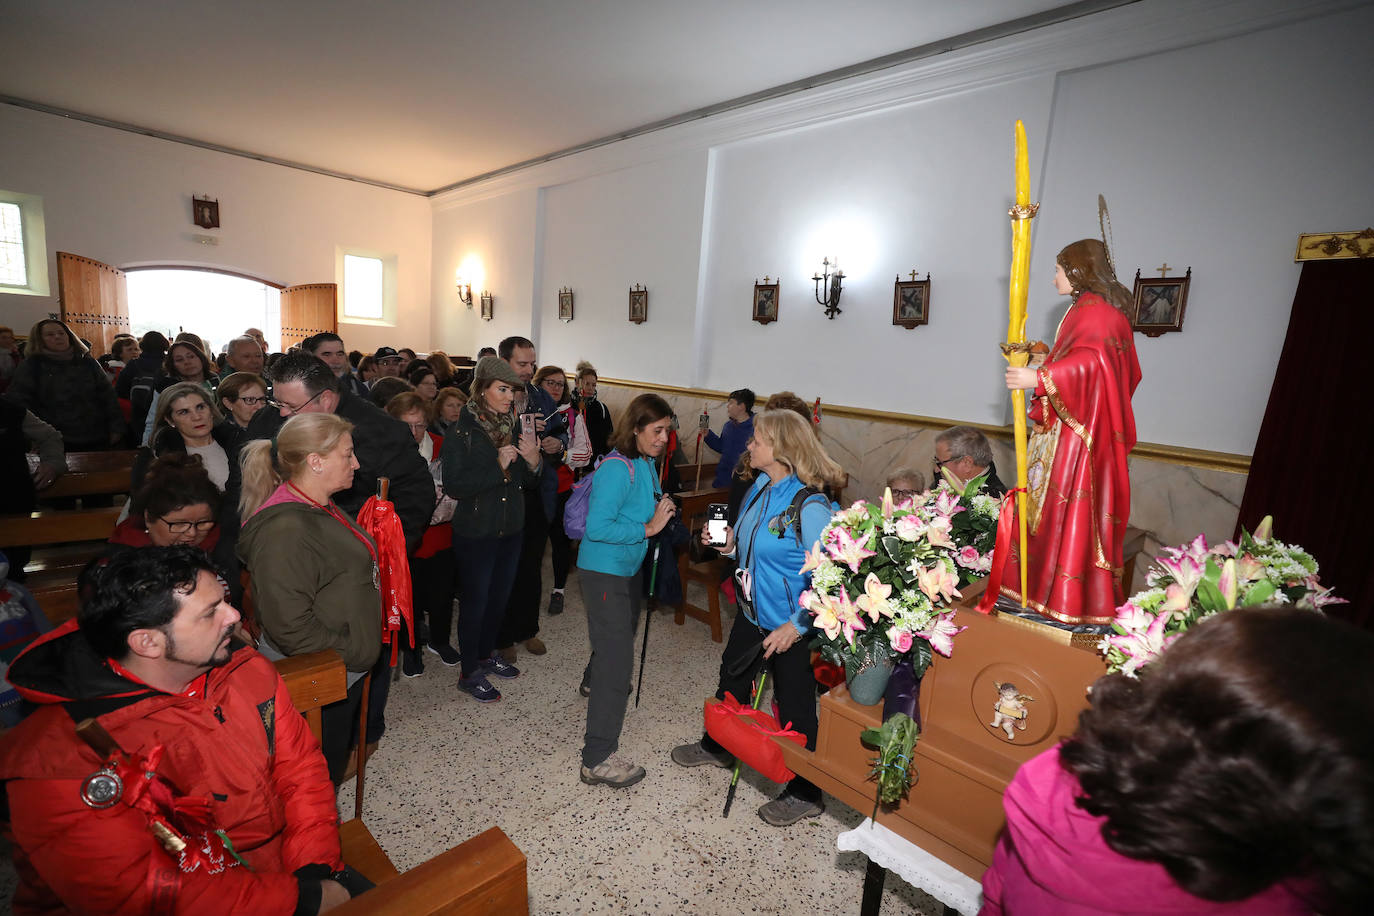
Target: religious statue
[1079,494]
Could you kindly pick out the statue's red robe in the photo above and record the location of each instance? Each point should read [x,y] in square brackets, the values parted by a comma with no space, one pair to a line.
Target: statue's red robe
[1080,494]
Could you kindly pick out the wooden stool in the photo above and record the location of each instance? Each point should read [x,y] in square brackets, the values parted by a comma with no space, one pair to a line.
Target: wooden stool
[708,574]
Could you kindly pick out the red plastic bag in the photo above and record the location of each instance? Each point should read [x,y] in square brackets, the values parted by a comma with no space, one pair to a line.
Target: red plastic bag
[748,734]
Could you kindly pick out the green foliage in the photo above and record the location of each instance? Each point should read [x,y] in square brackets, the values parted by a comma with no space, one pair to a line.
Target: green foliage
[893,767]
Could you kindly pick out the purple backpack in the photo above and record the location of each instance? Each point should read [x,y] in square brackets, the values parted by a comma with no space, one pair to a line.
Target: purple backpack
[575,511]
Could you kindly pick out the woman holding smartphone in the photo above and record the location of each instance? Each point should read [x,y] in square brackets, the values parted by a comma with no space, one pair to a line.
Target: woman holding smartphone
[488,464]
[780,520]
[625,510]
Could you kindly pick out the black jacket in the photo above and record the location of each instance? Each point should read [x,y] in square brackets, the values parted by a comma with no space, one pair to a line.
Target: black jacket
[491,503]
[74,395]
[384,448]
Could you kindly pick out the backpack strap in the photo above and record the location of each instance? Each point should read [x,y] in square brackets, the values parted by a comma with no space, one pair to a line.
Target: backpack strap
[793,515]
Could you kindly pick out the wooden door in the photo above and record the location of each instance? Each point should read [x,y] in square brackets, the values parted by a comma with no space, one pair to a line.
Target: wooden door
[93,299]
[308,309]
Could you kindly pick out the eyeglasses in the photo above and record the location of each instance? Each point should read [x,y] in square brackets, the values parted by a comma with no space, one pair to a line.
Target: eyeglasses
[295,410]
[940,464]
[183,527]
[421,425]
[902,496]
[254,402]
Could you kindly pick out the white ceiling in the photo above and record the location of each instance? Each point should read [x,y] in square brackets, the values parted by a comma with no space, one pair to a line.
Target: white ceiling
[422,94]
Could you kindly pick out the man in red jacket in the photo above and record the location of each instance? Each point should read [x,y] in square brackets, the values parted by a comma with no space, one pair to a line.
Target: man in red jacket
[165,770]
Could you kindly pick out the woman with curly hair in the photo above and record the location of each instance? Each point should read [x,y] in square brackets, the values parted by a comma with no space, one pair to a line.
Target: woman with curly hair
[1235,776]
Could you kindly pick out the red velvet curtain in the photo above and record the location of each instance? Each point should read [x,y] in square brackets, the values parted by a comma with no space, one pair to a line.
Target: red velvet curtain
[1311,468]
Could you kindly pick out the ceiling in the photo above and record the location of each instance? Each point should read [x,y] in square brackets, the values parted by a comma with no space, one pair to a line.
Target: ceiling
[425,94]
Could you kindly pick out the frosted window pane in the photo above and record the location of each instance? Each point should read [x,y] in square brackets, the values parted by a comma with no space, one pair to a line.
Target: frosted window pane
[362,287]
[13,270]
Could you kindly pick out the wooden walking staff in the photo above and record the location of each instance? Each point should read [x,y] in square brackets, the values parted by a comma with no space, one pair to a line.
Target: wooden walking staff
[1016,350]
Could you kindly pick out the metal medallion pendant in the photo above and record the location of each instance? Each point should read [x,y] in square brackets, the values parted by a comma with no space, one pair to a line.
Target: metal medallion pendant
[102,789]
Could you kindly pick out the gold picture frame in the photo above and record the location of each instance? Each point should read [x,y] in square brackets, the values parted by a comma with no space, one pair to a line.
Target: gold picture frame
[911,302]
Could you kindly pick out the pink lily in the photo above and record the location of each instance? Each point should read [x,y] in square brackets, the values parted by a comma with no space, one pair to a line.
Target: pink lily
[1227,584]
[1319,598]
[937,582]
[874,599]
[847,550]
[814,558]
[823,608]
[1265,530]
[1142,648]
[1176,600]
[887,502]
[851,621]
[1183,569]
[937,532]
[947,503]
[940,633]
[1196,549]
[1249,569]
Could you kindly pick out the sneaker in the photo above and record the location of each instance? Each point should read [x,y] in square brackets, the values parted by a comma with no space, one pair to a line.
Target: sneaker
[555,604]
[480,688]
[613,772]
[500,667]
[694,755]
[412,663]
[447,654]
[535,646]
[585,689]
[787,809]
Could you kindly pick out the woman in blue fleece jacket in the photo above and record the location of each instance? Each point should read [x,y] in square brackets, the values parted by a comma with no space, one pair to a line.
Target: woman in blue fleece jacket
[769,541]
[625,509]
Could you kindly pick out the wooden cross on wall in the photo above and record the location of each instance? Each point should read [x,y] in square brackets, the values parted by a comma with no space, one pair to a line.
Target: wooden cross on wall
[1164,269]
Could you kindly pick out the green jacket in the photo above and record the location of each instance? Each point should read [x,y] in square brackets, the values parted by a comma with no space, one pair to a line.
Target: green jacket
[312,584]
[490,504]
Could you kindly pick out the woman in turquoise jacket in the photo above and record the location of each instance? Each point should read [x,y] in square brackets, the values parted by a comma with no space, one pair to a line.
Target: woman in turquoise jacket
[779,522]
[624,510]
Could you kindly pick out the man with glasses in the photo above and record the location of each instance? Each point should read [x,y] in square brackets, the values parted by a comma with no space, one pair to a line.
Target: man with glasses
[304,383]
[965,453]
[330,348]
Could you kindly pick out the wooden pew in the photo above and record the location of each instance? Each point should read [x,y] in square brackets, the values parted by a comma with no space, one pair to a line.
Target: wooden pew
[53,580]
[687,473]
[486,874]
[91,474]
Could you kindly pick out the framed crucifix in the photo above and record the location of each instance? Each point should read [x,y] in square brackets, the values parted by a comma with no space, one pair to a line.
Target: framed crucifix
[1160,302]
[766,301]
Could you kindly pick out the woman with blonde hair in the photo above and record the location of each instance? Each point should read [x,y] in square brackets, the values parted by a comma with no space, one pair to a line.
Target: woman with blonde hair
[66,388]
[784,513]
[187,421]
[314,570]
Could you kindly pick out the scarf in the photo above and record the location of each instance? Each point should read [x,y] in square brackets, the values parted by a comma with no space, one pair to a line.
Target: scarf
[498,427]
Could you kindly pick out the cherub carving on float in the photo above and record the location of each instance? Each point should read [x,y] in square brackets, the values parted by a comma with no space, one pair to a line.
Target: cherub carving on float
[1010,712]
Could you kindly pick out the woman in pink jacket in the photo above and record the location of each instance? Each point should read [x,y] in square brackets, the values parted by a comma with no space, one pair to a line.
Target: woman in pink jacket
[1236,776]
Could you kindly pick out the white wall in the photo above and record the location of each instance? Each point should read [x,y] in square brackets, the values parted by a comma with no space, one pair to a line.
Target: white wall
[124,199]
[1218,131]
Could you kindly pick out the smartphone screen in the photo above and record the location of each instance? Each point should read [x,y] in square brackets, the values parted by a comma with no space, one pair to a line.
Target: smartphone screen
[716,522]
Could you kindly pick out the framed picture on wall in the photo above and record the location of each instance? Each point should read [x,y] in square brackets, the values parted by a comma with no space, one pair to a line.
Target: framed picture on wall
[911,301]
[765,301]
[639,304]
[565,304]
[1159,303]
[486,306]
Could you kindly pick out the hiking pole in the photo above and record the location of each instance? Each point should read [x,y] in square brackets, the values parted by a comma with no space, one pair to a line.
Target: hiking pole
[648,615]
[703,424]
[734,778]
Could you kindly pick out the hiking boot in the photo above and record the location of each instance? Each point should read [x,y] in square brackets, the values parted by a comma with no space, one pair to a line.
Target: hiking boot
[500,667]
[555,604]
[613,772]
[412,663]
[508,653]
[535,646]
[694,755]
[787,809]
[479,687]
[447,654]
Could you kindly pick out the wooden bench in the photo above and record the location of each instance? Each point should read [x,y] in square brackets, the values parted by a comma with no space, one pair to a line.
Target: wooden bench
[708,574]
[486,874]
[91,474]
[53,579]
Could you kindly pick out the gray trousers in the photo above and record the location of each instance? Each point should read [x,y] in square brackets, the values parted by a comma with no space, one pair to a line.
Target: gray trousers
[613,605]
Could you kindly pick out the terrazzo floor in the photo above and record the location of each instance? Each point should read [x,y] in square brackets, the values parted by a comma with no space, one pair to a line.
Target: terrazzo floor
[450,767]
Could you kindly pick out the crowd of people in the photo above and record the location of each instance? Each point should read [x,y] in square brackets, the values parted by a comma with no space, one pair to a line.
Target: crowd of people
[260,462]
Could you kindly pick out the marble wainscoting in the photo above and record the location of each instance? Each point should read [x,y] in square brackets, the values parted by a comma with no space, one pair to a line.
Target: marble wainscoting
[1172,498]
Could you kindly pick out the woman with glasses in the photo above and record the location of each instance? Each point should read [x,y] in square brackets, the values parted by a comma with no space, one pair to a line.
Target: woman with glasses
[242,395]
[176,504]
[423,379]
[778,524]
[553,381]
[314,571]
[906,483]
[434,583]
[187,422]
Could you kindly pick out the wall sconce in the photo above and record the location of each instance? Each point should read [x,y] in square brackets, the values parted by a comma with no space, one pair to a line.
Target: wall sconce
[487,305]
[828,287]
[464,292]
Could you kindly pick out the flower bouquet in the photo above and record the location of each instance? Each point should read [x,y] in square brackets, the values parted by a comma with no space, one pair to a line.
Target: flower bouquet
[1194,581]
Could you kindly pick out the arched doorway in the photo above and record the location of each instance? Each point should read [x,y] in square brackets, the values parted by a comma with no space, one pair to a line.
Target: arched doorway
[217,305]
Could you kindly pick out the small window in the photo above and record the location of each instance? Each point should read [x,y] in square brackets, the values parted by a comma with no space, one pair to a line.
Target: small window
[13,266]
[362,288]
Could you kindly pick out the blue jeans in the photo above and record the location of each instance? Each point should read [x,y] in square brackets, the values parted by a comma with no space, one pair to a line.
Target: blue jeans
[486,572]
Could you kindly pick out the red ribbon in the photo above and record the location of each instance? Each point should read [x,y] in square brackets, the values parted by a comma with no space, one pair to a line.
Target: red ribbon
[1006,519]
[186,817]
[736,708]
